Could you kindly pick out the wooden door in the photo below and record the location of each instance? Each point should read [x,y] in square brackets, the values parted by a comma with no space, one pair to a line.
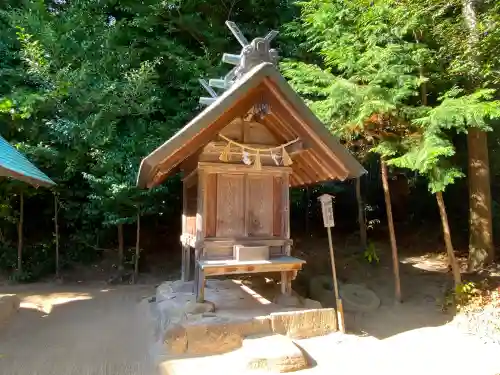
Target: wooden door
[230,205]
[259,205]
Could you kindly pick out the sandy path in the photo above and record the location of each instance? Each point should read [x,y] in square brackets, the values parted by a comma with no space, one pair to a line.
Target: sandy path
[78,331]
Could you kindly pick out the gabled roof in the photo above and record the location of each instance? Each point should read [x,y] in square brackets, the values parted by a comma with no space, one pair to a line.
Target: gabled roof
[326,158]
[15,165]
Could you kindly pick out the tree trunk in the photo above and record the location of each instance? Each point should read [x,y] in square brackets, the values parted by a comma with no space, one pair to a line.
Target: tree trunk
[392,234]
[442,210]
[361,215]
[20,234]
[447,239]
[120,247]
[137,247]
[481,250]
[56,228]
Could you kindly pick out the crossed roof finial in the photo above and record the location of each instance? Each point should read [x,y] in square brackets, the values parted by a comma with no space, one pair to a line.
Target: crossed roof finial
[252,54]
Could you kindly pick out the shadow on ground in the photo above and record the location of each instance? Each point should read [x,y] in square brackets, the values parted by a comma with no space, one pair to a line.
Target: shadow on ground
[424,277]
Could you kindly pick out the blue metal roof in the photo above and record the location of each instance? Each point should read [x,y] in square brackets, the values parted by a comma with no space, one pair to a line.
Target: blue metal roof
[15,165]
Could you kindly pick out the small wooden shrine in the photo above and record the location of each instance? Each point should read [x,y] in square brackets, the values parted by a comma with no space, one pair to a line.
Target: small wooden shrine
[238,158]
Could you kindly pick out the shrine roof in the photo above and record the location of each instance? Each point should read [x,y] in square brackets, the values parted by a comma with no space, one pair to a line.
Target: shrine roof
[289,117]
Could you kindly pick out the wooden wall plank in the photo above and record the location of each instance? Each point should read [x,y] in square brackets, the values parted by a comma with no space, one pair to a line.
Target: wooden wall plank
[184,208]
[200,211]
[211,204]
[230,205]
[191,208]
[259,205]
[285,199]
[234,130]
[256,132]
[277,206]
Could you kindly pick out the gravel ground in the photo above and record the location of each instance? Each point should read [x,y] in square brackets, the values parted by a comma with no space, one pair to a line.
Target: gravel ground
[84,330]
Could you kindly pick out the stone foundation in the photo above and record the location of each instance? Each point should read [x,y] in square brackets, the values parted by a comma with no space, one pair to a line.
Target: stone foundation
[230,315]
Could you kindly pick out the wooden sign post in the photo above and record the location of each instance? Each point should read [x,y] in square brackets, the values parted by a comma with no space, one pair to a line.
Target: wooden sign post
[327,210]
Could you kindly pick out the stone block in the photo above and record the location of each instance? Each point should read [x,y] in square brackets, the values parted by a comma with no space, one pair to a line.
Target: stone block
[205,338]
[304,323]
[168,289]
[9,304]
[275,353]
[175,340]
[311,304]
[287,301]
[216,335]
[193,307]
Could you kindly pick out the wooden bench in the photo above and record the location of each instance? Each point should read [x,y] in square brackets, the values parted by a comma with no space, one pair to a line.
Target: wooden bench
[288,267]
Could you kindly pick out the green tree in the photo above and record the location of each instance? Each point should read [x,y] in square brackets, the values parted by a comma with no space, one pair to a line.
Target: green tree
[380,83]
[90,87]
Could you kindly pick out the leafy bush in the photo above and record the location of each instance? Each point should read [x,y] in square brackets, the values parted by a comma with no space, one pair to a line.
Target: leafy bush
[38,261]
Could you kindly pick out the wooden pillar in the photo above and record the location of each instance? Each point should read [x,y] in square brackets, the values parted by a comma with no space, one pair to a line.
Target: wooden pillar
[199,284]
[185,266]
[186,261]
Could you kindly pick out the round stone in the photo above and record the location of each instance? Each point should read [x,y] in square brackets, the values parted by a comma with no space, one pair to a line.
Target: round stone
[357,298]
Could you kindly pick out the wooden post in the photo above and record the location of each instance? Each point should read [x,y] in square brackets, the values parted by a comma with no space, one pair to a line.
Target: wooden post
[327,210]
[137,246]
[200,295]
[186,262]
[286,283]
[361,215]
[56,229]
[199,284]
[120,247]
[20,234]
[392,234]
[340,308]
[307,194]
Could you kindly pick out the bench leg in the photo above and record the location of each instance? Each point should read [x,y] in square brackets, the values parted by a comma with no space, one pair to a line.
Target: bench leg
[286,283]
[200,288]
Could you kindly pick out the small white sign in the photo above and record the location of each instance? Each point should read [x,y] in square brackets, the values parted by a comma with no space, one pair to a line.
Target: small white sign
[327,210]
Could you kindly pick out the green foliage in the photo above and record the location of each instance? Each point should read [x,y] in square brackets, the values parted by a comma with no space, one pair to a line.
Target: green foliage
[387,80]
[460,112]
[370,254]
[89,88]
[38,261]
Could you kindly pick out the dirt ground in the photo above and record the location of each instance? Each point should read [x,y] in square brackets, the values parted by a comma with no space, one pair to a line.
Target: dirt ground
[87,328]
[91,329]
[425,282]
